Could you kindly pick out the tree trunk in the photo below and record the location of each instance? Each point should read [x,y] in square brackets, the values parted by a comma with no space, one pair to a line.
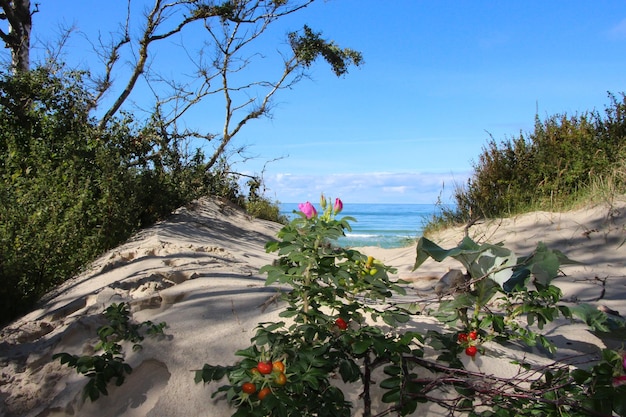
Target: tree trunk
[17,38]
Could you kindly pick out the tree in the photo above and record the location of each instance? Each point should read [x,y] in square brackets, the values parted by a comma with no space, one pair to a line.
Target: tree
[231,29]
[17,37]
[231,33]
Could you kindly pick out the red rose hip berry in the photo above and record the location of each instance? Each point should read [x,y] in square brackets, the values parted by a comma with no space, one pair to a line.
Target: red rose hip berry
[278,366]
[265,367]
[248,388]
[471,351]
[341,323]
[264,393]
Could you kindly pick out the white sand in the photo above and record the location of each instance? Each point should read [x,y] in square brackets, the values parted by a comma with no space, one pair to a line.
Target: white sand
[198,272]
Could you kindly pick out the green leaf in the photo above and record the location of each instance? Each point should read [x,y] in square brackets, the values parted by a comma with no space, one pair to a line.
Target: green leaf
[517,280]
[271,246]
[392,396]
[288,248]
[391,383]
[427,248]
[464,391]
[274,275]
[461,301]
[495,262]
[392,370]
[485,290]
[408,407]
[361,346]
[394,318]
[64,358]
[619,400]
[594,318]
[349,370]
[105,331]
[249,352]
[311,380]
[544,264]
[210,373]
[91,391]
[580,376]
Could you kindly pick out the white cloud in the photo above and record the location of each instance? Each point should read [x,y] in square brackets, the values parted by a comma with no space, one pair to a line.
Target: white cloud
[375,187]
[396,189]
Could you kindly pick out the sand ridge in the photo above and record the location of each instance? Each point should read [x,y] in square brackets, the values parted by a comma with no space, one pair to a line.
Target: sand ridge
[198,272]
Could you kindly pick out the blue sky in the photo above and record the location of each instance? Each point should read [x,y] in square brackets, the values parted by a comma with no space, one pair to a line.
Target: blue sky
[439,78]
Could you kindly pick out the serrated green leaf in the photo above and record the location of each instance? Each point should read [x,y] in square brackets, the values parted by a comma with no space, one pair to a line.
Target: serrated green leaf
[391,383]
[594,318]
[392,396]
[349,370]
[427,248]
[310,379]
[619,400]
[392,370]
[361,346]
[210,373]
[580,376]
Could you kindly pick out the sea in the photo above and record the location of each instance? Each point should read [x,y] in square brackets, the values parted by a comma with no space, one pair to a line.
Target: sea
[382,225]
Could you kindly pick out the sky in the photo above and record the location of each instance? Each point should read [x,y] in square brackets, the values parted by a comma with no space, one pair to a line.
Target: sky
[440,79]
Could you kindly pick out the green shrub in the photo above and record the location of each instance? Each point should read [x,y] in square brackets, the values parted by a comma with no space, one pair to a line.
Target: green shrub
[70,191]
[262,208]
[346,328]
[549,168]
[110,365]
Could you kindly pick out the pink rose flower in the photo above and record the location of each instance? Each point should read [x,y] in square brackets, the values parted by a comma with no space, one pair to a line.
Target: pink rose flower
[619,380]
[308,209]
[338,206]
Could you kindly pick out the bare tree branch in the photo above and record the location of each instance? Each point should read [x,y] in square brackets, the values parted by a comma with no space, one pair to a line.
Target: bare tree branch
[230,28]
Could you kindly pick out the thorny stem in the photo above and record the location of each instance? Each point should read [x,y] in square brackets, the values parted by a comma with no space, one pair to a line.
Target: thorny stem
[307,283]
[367,400]
[487,386]
[305,294]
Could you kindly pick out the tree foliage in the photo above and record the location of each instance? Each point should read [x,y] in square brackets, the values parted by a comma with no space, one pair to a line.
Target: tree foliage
[70,190]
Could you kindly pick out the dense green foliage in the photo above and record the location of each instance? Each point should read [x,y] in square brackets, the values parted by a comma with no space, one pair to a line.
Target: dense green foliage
[70,190]
[559,162]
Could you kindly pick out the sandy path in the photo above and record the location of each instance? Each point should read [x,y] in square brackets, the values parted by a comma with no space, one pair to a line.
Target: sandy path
[198,272]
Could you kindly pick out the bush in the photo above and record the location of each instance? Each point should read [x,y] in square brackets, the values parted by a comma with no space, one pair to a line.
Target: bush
[70,191]
[262,208]
[552,166]
[347,329]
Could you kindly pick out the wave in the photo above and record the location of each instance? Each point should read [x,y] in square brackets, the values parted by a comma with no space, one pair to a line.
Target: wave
[383,241]
[362,235]
[382,225]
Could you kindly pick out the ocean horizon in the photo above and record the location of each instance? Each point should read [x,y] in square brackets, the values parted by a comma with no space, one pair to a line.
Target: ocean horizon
[383,225]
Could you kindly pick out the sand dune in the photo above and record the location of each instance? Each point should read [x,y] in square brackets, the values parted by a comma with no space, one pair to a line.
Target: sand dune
[198,272]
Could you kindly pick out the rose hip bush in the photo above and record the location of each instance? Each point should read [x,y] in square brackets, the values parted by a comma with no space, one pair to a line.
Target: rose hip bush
[344,320]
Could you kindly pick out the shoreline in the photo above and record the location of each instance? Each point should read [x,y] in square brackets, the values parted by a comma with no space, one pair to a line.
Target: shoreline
[385,225]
